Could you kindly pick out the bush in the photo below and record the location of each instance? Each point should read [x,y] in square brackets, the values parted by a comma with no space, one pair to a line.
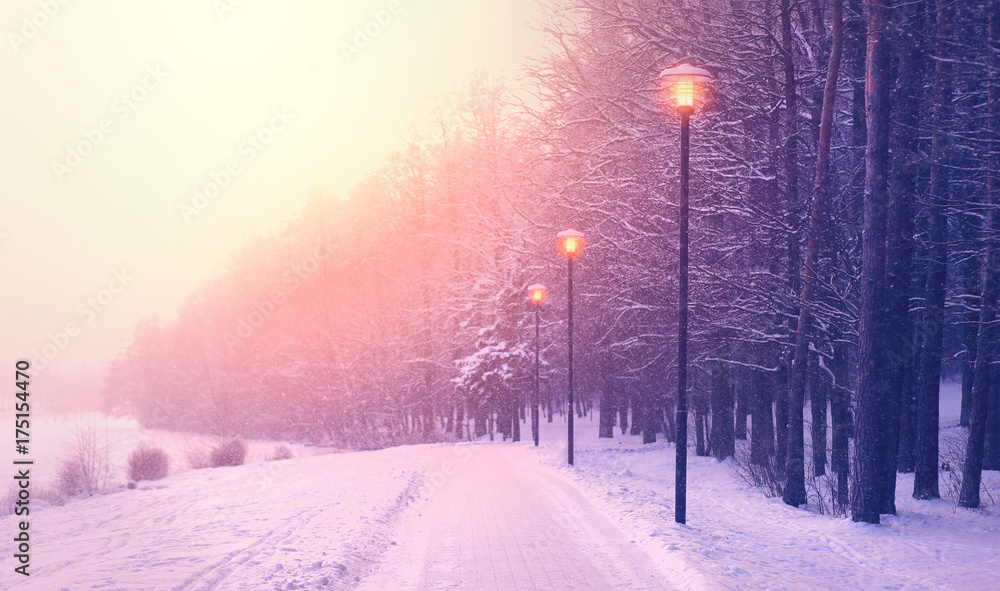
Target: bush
[70,479]
[230,453]
[281,453]
[147,463]
[86,464]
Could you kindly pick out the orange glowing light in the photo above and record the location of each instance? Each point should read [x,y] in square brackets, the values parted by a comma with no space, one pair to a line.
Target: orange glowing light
[537,294]
[571,243]
[684,80]
[684,91]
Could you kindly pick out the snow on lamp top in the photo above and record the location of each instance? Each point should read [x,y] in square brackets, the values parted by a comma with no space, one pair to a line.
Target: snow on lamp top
[684,79]
[537,293]
[570,243]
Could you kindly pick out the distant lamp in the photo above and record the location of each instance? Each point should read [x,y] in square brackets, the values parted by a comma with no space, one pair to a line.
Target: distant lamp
[537,294]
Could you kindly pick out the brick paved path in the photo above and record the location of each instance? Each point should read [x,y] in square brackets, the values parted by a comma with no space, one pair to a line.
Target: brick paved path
[494,518]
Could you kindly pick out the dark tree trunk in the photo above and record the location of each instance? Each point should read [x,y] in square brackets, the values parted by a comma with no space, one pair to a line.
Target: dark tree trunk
[795,489]
[608,408]
[873,383]
[623,413]
[908,416]
[972,472]
[819,389]
[841,421]
[991,444]
[651,421]
[790,157]
[723,442]
[781,414]
[903,355]
[701,440]
[925,480]
[669,422]
[637,411]
[762,421]
[742,404]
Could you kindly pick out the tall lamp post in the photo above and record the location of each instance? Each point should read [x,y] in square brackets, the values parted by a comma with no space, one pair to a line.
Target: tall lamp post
[571,245]
[683,80]
[536,295]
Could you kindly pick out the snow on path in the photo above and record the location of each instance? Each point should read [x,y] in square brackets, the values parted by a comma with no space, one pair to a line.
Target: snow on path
[308,523]
[493,517]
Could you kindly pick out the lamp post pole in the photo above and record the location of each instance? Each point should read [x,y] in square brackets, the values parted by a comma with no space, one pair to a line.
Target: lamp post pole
[684,79]
[534,400]
[680,483]
[571,244]
[537,295]
[569,435]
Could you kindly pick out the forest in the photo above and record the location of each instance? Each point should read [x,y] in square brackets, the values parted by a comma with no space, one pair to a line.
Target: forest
[844,257]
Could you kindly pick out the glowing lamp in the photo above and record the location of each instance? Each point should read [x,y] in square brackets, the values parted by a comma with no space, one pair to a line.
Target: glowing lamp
[570,243]
[537,294]
[684,80]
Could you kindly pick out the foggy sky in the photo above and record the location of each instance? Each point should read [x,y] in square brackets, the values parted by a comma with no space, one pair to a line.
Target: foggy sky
[145,141]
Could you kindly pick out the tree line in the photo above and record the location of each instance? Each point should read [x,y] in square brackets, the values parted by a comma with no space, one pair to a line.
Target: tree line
[845,164]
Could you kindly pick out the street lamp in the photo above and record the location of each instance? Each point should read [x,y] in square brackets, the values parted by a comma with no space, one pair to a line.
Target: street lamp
[536,295]
[683,80]
[571,244]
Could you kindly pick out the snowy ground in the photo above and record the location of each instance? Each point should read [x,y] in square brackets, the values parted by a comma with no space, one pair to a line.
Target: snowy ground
[490,516]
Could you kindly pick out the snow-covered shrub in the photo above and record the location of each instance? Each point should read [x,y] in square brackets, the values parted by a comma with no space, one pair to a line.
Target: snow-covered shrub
[765,478]
[86,464]
[69,479]
[41,495]
[951,456]
[230,453]
[281,452]
[147,463]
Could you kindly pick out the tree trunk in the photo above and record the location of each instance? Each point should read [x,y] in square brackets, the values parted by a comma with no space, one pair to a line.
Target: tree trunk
[795,489]
[991,444]
[700,436]
[608,410]
[623,413]
[638,407]
[650,422]
[925,480]
[742,404]
[908,416]
[903,356]
[819,390]
[723,442]
[780,389]
[972,472]
[872,379]
[841,421]
[762,421]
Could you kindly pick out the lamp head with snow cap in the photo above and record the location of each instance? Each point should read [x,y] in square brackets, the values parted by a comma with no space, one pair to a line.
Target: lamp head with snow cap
[683,80]
[571,243]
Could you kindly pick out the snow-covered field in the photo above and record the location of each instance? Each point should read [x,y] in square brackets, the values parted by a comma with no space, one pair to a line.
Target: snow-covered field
[488,515]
